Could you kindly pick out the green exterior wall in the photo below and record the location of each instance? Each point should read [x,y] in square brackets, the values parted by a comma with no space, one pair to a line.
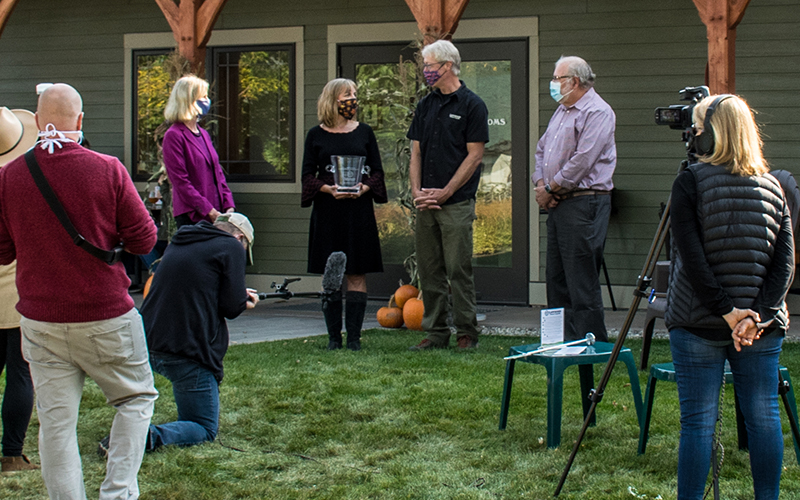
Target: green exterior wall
[642,51]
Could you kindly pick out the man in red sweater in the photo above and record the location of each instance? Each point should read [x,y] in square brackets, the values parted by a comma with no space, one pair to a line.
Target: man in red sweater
[77,316]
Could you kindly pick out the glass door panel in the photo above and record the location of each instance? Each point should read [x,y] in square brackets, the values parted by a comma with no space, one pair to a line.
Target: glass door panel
[383,90]
[492,231]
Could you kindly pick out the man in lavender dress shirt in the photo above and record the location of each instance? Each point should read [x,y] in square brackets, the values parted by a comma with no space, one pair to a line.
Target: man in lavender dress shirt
[575,160]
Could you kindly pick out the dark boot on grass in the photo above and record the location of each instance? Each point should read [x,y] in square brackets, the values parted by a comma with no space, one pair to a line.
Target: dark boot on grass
[17,463]
[354,318]
[332,309]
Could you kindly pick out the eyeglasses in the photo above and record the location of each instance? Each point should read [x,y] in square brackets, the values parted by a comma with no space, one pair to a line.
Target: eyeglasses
[429,66]
[556,78]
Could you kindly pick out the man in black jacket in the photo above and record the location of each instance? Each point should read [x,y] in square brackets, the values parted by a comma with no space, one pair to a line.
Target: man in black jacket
[200,282]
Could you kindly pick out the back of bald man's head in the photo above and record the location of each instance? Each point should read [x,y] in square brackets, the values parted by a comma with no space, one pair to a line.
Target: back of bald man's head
[60,105]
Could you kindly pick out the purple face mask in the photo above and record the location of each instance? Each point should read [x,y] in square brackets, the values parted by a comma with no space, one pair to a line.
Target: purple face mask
[431,76]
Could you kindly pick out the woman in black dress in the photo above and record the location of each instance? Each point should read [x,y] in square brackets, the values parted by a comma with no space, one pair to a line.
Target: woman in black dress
[342,221]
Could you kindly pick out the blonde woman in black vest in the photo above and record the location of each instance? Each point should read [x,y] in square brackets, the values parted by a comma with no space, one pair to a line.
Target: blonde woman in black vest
[732,265]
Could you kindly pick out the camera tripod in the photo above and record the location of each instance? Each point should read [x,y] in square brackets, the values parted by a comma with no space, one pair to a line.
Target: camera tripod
[640,292]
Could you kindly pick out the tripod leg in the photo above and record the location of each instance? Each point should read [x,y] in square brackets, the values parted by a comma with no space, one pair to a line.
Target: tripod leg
[639,293]
[608,285]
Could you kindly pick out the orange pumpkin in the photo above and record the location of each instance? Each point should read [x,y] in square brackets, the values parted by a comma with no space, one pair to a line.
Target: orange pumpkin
[412,313]
[147,286]
[390,316]
[404,293]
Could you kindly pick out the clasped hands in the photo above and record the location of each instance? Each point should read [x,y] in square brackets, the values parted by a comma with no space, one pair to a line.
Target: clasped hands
[333,190]
[430,198]
[544,199]
[744,326]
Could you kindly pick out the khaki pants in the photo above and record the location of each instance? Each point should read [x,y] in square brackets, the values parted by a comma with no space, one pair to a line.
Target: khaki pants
[113,353]
[444,258]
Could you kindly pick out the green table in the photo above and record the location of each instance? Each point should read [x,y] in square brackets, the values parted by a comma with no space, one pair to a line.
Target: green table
[555,365]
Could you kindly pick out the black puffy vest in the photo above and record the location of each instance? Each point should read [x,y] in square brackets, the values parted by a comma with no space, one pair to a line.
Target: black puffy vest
[740,218]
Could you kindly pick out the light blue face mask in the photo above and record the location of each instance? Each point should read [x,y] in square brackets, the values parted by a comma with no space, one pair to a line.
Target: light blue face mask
[555,91]
[204,104]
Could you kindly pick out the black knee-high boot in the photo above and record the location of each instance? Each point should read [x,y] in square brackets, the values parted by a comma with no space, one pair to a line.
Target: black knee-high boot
[354,318]
[332,309]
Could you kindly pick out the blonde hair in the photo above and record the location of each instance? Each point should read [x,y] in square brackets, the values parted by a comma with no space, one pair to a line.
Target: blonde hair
[181,105]
[328,102]
[737,140]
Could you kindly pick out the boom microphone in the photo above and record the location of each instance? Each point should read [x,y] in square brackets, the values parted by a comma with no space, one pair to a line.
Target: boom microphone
[334,272]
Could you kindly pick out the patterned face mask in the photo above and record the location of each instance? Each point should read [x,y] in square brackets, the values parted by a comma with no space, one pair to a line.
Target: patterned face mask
[50,137]
[348,107]
[431,76]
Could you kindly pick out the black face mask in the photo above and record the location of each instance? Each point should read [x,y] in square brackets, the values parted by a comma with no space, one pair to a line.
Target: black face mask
[348,107]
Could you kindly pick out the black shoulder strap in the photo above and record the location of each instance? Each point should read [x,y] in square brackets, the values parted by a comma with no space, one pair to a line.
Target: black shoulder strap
[109,257]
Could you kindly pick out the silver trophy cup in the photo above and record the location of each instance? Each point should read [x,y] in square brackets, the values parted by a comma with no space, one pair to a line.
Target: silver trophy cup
[347,172]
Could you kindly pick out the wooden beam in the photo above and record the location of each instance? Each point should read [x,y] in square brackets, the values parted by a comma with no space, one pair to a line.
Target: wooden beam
[721,18]
[437,18]
[170,10]
[191,22]
[207,16]
[6,6]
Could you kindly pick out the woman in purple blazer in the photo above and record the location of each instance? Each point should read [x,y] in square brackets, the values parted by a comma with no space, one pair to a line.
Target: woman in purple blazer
[199,190]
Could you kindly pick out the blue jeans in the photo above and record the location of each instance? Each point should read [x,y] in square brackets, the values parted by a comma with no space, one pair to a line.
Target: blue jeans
[699,368]
[196,393]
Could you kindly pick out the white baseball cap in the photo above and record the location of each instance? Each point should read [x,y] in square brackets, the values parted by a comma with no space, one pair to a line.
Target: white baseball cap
[243,224]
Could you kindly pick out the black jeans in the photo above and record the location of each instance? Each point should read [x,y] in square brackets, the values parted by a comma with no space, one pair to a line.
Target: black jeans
[576,236]
[18,397]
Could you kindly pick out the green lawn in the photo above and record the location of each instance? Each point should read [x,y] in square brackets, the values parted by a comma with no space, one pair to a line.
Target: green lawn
[301,422]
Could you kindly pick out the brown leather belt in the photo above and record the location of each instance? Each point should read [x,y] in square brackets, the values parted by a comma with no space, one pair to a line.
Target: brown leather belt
[582,192]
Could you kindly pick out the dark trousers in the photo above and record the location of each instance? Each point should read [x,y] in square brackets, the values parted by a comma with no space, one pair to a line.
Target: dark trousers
[444,258]
[18,397]
[576,235]
[183,220]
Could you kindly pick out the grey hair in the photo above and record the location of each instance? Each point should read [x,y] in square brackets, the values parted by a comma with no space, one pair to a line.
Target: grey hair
[579,68]
[444,51]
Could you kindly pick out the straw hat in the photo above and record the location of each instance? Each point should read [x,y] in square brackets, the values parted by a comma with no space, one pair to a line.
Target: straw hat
[18,133]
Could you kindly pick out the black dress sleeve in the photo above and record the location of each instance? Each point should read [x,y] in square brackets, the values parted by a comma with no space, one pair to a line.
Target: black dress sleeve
[311,184]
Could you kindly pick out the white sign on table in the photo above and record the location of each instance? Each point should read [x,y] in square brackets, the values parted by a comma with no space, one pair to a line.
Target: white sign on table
[572,350]
[552,329]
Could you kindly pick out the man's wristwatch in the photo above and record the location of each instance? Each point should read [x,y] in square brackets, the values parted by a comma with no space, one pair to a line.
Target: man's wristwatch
[548,189]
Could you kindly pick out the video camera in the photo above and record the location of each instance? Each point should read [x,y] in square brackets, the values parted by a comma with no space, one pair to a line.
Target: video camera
[679,116]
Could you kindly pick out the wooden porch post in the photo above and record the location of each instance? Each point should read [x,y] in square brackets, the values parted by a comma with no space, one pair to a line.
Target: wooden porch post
[6,6]
[437,18]
[721,18]
[191,23]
